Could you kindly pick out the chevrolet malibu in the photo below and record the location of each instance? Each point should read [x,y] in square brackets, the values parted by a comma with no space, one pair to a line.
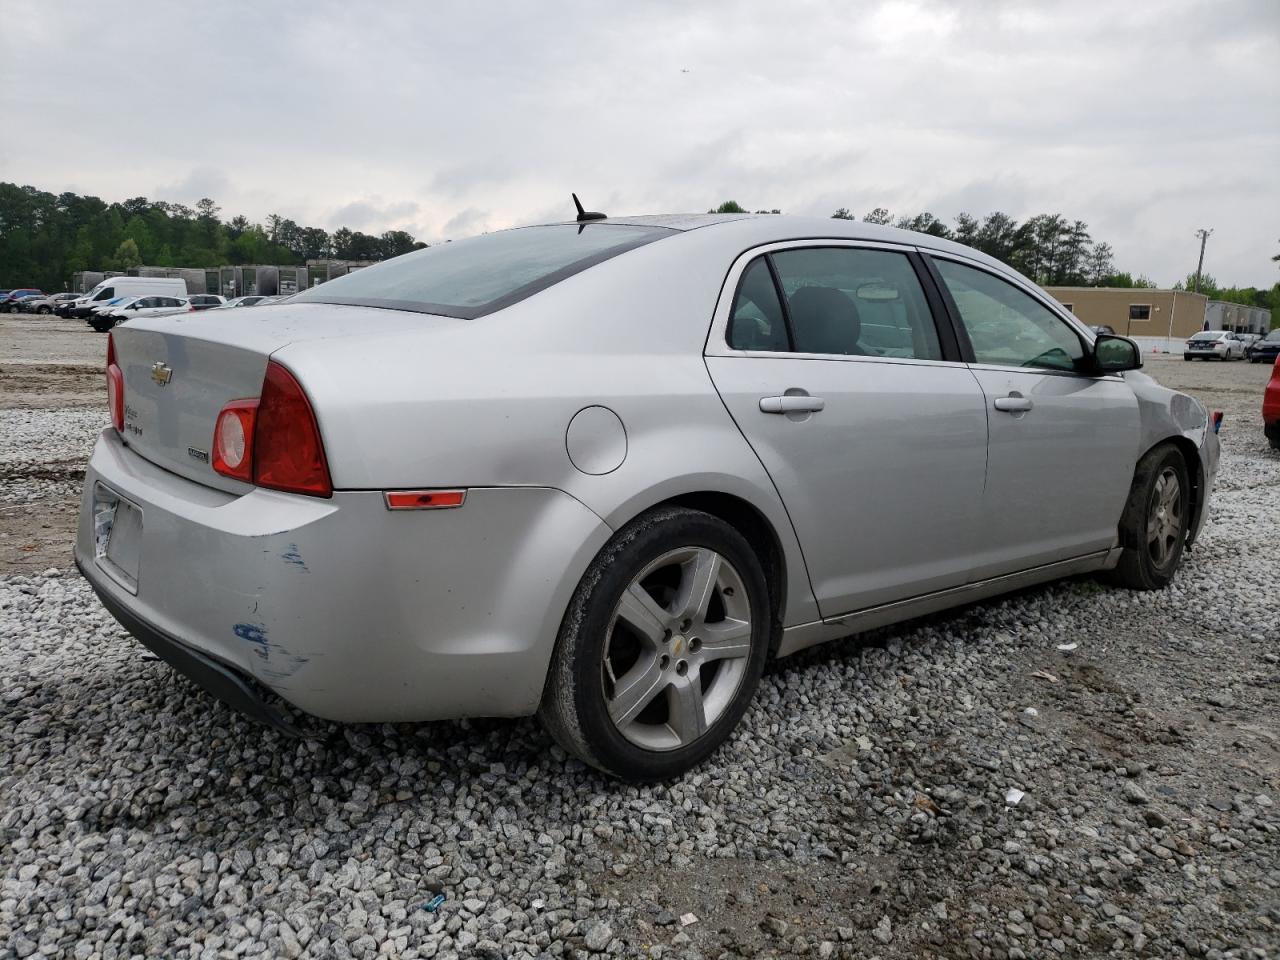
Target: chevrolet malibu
[602,471]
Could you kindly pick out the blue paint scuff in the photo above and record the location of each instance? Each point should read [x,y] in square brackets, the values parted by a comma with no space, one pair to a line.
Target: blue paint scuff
[292,556]
[283,666]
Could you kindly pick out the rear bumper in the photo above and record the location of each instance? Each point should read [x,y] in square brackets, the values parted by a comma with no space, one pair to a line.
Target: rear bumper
[344,609]
[227,684]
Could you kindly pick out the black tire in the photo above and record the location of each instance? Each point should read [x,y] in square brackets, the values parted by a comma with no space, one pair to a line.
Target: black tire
[44,310]
[1147,563]
[575,706]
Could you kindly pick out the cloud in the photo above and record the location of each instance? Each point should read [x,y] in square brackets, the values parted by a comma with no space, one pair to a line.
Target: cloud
[466,223]
[1146,120]
[373,213]
[201,182]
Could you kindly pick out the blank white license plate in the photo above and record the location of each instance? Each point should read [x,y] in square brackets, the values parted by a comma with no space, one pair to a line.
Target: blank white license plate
[117,536]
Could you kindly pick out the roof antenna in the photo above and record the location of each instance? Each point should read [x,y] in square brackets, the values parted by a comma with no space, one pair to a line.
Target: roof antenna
[585,215]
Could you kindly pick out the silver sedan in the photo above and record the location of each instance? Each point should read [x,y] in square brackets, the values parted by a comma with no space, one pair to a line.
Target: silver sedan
[601,471]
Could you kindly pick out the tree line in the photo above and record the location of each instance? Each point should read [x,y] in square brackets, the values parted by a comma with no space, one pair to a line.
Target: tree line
[1049,248]
[45,238]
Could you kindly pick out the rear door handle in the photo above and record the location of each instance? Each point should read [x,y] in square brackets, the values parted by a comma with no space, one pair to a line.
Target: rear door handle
[1014,404]
[791,404]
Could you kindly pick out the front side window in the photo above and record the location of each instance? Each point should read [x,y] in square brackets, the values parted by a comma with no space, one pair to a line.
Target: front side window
[1139,311]
[469,278]
[108,294]
[1007,327]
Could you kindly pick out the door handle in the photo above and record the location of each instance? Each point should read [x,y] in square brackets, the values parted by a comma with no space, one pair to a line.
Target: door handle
[791,404]
[1014,404]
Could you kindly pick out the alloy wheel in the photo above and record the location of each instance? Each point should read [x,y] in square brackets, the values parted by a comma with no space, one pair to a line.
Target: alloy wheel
[1164,518]
[677,648]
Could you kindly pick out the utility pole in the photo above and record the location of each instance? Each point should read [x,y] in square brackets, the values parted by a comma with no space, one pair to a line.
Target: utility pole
[1204,236]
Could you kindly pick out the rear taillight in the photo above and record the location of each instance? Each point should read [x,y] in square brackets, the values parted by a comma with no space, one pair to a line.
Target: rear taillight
[115,387]
[233,440]
[273,441]
[288,453]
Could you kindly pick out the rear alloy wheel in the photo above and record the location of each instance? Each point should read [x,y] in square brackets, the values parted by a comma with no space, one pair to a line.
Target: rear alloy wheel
[1157,517]
[662,647]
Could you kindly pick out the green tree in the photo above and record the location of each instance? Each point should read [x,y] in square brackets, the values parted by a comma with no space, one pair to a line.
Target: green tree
[843,214]
[924,223]
[127,256]
[729,206]
[879,215]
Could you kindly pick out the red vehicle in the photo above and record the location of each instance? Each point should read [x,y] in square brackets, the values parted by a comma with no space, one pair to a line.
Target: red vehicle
[1271,408]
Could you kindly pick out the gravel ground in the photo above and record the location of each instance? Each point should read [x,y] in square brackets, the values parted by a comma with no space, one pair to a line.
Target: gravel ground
[866,807]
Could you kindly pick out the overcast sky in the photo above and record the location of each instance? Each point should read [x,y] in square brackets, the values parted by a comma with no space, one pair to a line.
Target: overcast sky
[1147,120]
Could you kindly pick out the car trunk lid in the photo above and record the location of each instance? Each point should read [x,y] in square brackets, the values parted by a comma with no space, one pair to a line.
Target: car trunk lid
[180,371]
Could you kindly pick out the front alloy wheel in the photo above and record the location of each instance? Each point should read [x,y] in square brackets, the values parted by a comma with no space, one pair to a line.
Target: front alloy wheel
[1165,524]
[661,648]
[1156,520]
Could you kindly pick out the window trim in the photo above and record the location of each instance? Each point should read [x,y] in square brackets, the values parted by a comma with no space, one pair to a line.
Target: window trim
[1146,319]
[717,344]
[1073,322]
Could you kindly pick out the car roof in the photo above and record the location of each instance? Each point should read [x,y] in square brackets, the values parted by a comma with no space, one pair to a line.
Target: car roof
[747,230]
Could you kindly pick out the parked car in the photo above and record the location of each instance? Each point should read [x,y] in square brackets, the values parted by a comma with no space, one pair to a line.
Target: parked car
[97,317]
[65,308]
[236,302]
[1267,349]
[19,305]
[205,301]
[134,307]
[47,304]
[12,300]
[1101,328]
[128,286]
[1248,339]
[602,471]
[1271,407]
[1213,345]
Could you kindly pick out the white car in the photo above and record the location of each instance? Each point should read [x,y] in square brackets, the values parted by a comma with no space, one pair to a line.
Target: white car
[1214,345]
[247,301]
[132,307]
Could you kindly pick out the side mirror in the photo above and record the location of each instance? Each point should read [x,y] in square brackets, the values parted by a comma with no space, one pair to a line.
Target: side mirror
[1113,354]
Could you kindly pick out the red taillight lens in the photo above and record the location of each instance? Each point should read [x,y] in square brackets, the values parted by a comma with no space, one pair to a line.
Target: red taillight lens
[115,387]
[233,440]
[287,451]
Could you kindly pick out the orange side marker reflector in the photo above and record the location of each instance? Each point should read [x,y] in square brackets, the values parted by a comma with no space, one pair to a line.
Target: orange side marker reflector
[424,499]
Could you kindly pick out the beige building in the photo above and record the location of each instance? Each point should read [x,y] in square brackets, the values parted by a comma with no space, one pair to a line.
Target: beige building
[1136,312]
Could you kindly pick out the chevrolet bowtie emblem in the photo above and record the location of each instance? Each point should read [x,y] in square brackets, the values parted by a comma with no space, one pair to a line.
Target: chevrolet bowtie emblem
[161,373]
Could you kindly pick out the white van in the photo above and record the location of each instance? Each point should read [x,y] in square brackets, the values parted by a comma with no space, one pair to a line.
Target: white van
[113,287]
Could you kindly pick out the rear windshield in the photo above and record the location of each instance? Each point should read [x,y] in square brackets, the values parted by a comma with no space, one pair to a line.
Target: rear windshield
[1207,336]
[469,278]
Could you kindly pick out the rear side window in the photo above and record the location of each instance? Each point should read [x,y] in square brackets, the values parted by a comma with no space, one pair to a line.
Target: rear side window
[469,278]
[757,321]
[857,302]
[1007,327]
